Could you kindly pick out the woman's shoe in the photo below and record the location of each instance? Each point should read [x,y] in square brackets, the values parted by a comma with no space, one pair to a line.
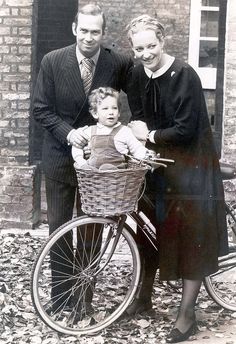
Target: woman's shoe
[175,336]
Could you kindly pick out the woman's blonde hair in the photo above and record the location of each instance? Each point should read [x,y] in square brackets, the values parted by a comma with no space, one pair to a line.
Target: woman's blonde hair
[145,22]
[97,96]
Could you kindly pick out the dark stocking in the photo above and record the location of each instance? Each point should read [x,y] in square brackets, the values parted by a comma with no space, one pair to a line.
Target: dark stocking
[186,315]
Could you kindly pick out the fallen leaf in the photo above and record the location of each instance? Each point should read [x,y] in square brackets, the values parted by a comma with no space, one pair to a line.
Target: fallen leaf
[143,323]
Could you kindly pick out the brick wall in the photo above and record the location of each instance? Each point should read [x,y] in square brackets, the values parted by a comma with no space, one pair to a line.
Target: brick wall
[53,31]
[15,55]
[171,13]
[230,85]
[19,182]
[229,122]
[19,196]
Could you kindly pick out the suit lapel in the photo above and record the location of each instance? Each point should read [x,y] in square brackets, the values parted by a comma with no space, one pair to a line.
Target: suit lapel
[104,70]
[73,76]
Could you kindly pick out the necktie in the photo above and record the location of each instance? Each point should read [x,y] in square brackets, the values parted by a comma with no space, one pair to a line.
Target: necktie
[87,74]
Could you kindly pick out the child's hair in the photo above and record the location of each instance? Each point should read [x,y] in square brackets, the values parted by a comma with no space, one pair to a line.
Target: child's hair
[97,96]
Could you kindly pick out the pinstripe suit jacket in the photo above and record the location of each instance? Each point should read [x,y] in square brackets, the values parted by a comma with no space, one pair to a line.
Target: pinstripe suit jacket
[60,104]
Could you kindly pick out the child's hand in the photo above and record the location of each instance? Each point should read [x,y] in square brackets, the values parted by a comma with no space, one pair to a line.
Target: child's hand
[139,129]
[150,154]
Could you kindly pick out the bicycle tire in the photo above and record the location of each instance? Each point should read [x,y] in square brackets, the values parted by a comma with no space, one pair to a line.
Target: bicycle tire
[113,285]
[221,285]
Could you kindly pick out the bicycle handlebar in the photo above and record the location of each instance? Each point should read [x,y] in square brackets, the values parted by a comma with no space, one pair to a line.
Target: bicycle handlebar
[154,161]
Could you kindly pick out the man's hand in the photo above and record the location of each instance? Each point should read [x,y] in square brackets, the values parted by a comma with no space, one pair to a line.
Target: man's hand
[139,129]
[78,138]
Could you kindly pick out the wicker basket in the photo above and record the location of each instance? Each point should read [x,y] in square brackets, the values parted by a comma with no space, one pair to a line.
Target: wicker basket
[110,192]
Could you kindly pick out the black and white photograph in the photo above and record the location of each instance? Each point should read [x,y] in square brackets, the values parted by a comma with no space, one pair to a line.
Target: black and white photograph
[117,171]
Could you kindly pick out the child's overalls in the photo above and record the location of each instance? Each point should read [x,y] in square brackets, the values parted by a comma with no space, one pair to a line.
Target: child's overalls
[103,150]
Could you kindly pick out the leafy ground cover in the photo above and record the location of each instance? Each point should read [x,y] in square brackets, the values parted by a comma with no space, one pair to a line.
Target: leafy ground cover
[19,324]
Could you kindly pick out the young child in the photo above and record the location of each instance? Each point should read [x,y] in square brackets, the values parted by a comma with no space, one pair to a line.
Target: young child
[108,140]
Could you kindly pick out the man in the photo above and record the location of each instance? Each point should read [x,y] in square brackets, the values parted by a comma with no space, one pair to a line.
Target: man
[60,104]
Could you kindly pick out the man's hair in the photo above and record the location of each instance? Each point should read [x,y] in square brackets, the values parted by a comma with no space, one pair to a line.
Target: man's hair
[98,95]
[91,9]
[145,22]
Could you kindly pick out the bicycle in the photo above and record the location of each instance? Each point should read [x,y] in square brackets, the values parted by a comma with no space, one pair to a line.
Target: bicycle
[221,286]
[107,272]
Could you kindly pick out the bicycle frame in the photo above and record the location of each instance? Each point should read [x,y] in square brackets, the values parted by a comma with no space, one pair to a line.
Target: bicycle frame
[116,236]
[146,226]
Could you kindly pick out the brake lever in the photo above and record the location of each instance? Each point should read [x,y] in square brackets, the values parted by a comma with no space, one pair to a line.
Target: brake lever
[168,161]
[154,164]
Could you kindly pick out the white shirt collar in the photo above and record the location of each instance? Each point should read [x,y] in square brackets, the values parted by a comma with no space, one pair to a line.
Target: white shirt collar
[162,70]
[80,56]
[101,126]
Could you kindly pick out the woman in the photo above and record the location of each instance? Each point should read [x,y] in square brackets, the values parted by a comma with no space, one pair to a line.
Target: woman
[169,111]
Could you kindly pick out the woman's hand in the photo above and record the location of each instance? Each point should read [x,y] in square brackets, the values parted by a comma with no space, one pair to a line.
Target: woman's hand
[139,129]
[87,151]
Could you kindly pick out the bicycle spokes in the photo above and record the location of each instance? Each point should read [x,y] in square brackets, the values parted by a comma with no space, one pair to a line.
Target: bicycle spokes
[85,276]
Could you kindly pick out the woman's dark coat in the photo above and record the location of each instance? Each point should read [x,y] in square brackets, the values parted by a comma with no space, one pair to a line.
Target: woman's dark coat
[189,193]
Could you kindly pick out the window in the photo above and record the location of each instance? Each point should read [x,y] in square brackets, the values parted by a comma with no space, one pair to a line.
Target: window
[203,40]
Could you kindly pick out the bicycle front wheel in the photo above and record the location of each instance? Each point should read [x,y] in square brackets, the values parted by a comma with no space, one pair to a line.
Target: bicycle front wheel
[81,280]
[221,286]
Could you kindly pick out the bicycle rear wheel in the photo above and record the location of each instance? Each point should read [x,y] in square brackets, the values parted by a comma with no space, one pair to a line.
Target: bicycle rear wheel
[221,286]
[93,285]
